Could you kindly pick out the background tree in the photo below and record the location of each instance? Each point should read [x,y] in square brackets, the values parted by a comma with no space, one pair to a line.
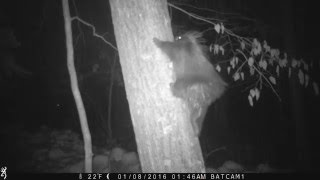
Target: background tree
[75,89]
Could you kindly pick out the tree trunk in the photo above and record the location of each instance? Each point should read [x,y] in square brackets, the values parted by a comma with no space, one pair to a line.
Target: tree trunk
[296,93]
[110,134]
[164,135]
[75,88]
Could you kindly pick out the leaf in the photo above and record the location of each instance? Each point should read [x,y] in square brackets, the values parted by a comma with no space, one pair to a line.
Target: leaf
[228,69]
[306,77]
[275,53]
[221,49]
[299,64]
[266,46]
[289,72]
[277,71]
[272,79]
[271,60]
[250,61]
[243,45]
[211,47]
[263,64]
[294,63]
[250,101]
[301,77]
[251,71]
[256,47]
[222,28]
[252,92]
[236,76]
[232,63]
[283,62]
[218,68]
[217,28]
[242,75]
[257,94]
[215,49]
[315,88]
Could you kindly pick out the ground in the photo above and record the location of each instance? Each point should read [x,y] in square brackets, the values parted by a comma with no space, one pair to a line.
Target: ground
[61,151]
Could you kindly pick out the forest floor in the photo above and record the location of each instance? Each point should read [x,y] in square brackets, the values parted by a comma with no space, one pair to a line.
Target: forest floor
[45,150]
[61,151]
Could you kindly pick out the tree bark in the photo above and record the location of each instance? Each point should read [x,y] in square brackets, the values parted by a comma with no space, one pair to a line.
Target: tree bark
[163,132]
[75,88]
[302,161]
[110,134]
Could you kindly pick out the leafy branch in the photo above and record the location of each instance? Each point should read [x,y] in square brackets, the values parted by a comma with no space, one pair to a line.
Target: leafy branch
[259,59]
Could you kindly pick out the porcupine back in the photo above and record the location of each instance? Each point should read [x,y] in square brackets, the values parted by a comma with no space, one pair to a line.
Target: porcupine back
[194,72]
[196,82]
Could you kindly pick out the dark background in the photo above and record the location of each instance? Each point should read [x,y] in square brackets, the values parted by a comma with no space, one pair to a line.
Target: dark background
[266,132]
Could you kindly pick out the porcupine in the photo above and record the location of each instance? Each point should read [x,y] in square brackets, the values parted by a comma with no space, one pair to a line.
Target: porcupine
[196,80]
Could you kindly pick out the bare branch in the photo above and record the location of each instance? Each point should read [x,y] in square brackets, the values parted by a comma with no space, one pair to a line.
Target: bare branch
[94,31]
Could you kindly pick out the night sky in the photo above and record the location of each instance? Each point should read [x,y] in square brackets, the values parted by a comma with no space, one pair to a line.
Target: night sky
[35,90]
